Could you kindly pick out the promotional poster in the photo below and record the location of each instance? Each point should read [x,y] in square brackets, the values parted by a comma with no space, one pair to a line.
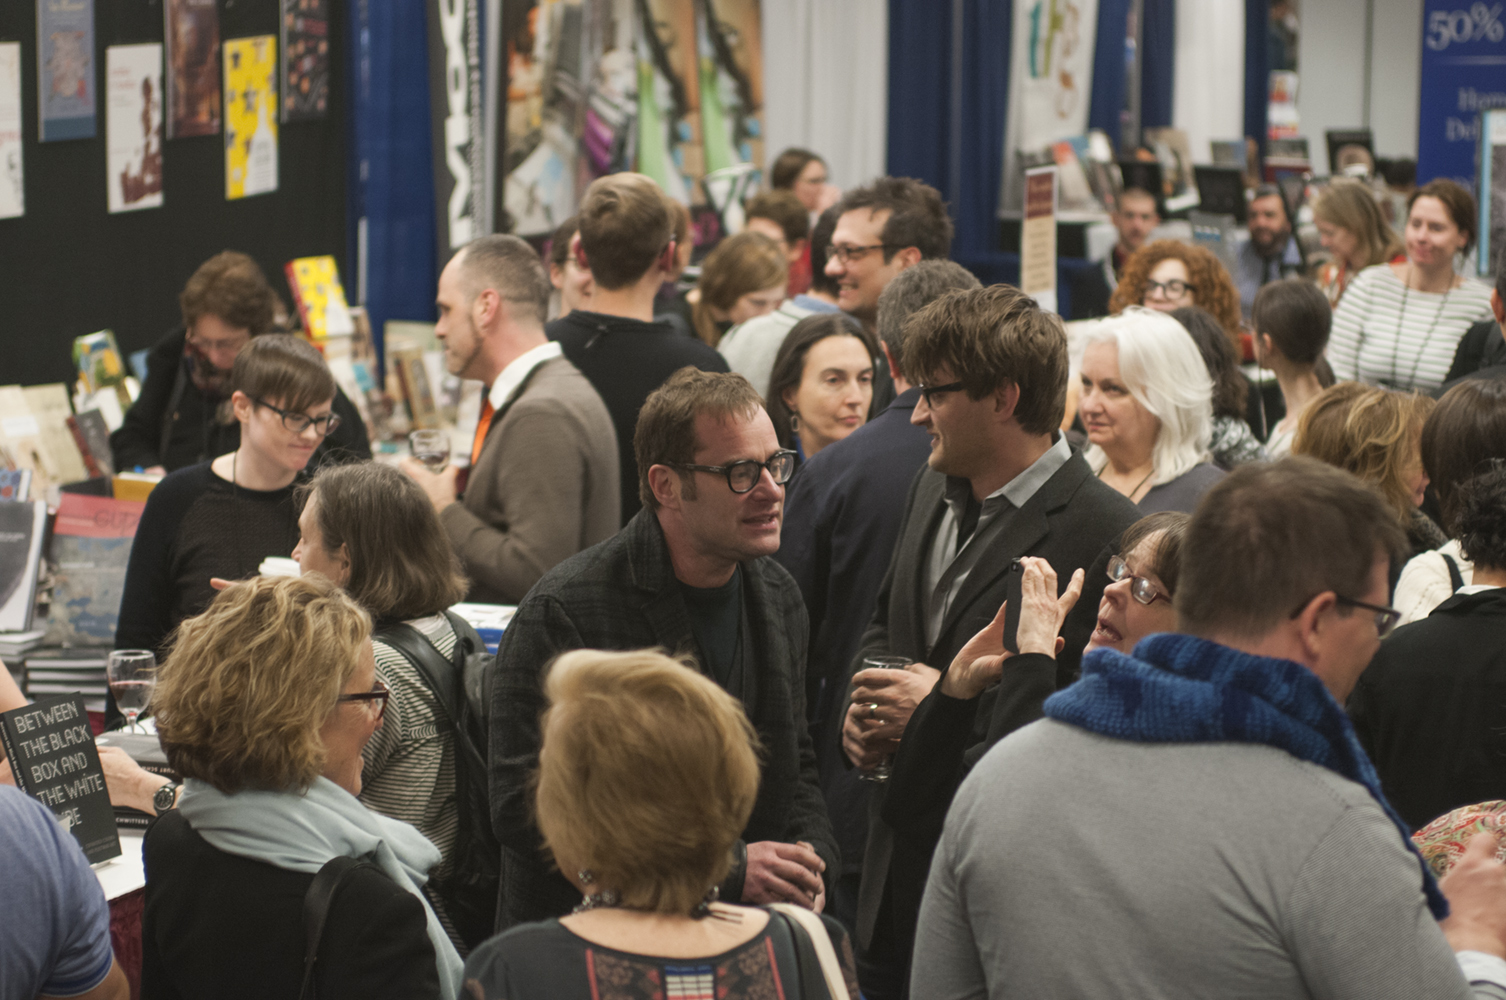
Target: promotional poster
[65,69]
[133,123]
[192,34]
[250,116]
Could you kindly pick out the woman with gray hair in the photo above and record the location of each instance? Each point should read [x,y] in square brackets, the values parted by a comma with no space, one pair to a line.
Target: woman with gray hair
[1147,406]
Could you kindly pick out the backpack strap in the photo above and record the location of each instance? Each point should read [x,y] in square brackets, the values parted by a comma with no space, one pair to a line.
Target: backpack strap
[820,970]
[1455,578]
[443,677]
[316,903]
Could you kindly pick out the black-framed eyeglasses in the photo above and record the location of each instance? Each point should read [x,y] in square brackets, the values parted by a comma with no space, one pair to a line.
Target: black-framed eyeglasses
[930,392]
[300,422]
[1141,589]
[1386,619]
[1173,289]
[743,476]
[376,697]
[848,254]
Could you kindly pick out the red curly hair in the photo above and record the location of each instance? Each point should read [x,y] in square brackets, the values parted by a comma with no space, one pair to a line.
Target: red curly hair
[1215,290]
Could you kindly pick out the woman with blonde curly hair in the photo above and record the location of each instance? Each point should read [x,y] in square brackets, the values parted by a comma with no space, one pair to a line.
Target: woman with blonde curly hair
[743,277]
[1167,275]
[263,706]
[1376,434]
[648,773]
[1352,228]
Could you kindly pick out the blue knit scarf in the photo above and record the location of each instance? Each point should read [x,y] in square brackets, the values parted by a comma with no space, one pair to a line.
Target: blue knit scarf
[1182,689]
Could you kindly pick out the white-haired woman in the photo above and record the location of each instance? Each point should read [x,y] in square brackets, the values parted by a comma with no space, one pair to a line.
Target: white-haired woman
[1147,405]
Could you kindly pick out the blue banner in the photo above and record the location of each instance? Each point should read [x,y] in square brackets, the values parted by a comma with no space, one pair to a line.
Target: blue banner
[1463,73]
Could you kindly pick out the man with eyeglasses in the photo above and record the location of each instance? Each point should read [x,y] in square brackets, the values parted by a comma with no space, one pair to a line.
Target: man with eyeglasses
[691,573]
[542,480]
[1197,819]
[991,375]
[176,419]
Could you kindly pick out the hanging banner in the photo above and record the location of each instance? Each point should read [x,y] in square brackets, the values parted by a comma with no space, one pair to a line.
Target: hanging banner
[458,115]
[12,188]
[192,36]
[133,126]
[250,116]
[1050,84]
[669,98]
[65,69]
[305,59]
[1463,74]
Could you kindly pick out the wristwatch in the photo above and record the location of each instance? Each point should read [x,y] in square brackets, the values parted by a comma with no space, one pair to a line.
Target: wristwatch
[166,797]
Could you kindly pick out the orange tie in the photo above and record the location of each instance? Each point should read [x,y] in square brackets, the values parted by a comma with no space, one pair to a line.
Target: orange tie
[481,428]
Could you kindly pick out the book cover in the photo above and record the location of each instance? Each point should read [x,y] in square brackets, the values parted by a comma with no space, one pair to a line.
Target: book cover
[98,360]
[49,405]
[250,116]
[54,760]
[92,436]
[91,545]
[15,484]
[12,190]
[414,378]
[320,298]
[65,69]
[22,527]
[192,34]
[21,436]
[133,126]
[305,59]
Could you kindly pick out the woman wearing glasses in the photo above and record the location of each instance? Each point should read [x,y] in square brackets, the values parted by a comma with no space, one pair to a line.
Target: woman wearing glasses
[263,707]
[1143,581]
[222,518]
[1168,275]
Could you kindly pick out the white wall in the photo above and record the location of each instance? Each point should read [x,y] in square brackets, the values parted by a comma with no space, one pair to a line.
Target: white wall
[1331,73]
[1208,90]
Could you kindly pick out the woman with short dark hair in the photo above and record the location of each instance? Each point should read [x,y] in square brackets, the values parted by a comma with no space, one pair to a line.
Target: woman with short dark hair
[1291,319]
[1233,443]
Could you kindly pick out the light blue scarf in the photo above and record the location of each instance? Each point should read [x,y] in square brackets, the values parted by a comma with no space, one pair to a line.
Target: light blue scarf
[301,832]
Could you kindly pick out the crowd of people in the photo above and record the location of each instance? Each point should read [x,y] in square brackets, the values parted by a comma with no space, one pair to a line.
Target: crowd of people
[876,633]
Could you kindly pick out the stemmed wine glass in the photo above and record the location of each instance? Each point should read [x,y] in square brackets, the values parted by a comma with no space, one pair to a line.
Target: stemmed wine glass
[431,448]
[132,674]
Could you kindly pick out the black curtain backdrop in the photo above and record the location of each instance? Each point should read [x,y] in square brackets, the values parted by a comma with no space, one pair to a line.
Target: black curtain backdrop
[67,267]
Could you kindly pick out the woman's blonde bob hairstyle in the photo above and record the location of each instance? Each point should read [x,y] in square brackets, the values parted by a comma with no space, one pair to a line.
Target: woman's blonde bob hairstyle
[742,264]
[249,683]
[1372,432]
[1161,366]
[1349,205]
[647,776]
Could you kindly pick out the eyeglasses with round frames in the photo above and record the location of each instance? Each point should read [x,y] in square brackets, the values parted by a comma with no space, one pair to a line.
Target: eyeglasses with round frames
[929,392]
[1141,589]
[300,422]
[743,476]
[848,254]
[376,697]
[1173,289]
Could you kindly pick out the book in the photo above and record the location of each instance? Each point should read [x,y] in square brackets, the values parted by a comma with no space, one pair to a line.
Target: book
[22,527]
[13,644]
[65,69]
[320,298]
[413,376]
[192,36]
[134,485]
[12,186]
[250,116]
[305,59]
[98,360]
[146,751]
[49,405]
[92,436]
[54,760]
[15,484]
[91,546]
[133,127]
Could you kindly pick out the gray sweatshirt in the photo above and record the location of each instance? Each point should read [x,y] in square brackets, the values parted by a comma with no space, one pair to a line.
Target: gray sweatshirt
[1078,866]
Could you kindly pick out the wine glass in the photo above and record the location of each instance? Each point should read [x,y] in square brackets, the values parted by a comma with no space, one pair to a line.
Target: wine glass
[132,674]
[431,448]
[880,771]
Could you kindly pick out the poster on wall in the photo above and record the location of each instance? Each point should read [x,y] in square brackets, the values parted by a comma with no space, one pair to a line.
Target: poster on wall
[1463,74]
[192,34]
[459,122]
[731,87]
[305,59]
[65,69]
[250,116]
[133,126]
[1492,224]
[669,99]
[1050,83]
[12,189]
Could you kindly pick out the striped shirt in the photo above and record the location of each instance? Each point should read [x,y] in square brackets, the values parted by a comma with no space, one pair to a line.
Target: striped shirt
[1387,334]
[409,770]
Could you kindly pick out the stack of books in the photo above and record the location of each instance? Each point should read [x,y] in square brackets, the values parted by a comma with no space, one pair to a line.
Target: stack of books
[146,751]
[65,671]
[14,644]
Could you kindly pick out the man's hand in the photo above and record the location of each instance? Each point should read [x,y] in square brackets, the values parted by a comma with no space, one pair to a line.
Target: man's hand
[1476,891]
[784,873]
[439,487]
[981,662]
[882,703]
[129,783]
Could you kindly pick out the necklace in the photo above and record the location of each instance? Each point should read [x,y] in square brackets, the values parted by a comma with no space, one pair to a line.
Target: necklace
[1427,337]
[1131,494]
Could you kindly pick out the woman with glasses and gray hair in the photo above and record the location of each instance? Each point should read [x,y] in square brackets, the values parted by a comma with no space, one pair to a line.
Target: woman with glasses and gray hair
[263,706]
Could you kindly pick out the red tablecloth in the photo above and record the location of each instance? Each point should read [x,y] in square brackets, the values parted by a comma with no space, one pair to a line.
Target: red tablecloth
[125,936]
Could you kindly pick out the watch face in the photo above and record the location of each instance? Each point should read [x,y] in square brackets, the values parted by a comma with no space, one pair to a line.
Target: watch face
[165,797]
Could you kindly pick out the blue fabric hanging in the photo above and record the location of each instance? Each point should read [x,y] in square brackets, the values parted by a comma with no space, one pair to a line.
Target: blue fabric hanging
[390,168]
[1157,62]
[1257,70]
[1109,68]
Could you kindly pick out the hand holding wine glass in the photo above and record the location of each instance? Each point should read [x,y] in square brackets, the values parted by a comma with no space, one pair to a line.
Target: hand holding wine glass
[132,674]
[432,448]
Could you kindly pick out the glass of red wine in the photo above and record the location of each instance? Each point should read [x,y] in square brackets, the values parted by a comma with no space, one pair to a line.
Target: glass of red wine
[431,448]
[132,674]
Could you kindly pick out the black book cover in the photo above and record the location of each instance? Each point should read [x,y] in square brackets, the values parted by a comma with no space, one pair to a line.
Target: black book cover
[53,758]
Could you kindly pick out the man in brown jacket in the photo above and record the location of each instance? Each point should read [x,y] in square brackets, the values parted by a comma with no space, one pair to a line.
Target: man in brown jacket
[543,481]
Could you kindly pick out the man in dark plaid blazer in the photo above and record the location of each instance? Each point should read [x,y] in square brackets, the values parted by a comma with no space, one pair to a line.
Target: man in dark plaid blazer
[692,573]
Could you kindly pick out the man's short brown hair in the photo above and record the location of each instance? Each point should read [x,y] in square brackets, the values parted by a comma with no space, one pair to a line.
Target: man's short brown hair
[229,285]
[666,425]
[986,338]
[624,226]
[1269,537]
[784,210]
[512,269]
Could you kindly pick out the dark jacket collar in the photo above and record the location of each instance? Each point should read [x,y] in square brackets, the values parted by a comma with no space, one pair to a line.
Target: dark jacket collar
[1486,602]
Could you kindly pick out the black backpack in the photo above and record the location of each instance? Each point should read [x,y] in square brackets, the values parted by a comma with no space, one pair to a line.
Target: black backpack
[460,686]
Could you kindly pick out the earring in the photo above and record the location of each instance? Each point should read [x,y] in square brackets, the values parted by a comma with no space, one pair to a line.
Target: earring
[794,423]
[586,876]
[703,908]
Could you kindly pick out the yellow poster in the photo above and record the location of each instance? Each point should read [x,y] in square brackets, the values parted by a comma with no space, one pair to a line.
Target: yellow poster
[250,116]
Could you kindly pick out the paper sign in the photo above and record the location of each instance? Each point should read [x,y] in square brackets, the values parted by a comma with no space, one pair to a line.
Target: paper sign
[1038,238]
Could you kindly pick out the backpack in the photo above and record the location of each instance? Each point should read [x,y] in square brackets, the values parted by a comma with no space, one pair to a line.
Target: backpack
[461,687]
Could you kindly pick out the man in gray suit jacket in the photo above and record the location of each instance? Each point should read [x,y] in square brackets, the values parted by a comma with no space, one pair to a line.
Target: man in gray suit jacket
[543,480]
[691,573]
[1002,483]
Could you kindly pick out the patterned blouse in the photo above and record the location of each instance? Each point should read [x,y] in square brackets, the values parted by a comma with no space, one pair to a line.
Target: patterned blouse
[546,960]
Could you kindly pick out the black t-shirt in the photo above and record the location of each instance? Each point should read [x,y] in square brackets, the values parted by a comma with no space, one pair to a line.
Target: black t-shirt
[625,360]
[716,618]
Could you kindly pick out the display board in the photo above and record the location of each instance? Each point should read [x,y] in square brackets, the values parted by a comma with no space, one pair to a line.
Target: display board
[71,267]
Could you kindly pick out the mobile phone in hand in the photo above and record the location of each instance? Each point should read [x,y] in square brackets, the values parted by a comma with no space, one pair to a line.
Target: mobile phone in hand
[1013,595]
